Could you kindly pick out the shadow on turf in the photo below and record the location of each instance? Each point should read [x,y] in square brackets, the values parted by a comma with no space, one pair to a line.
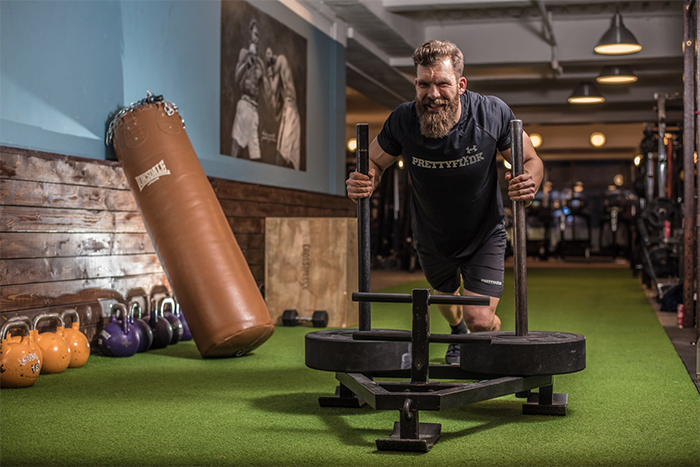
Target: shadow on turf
[178,351]
[481,416]
[334,419]
[187,351]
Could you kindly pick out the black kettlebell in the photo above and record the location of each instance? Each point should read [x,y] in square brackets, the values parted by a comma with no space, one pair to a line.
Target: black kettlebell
[167,307]
[161,328]
[142,328]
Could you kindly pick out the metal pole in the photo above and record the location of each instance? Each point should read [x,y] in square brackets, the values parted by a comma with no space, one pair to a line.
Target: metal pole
[519,232]
[662,159]
[474,300]
[688,178]
[395,223]
[363,212]
[689,91]
[420,336]
[649,180]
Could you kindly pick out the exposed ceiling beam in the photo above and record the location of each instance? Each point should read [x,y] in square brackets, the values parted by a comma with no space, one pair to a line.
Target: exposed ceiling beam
[419,5]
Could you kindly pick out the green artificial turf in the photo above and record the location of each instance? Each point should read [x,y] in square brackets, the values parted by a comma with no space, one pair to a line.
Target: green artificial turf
[633,405]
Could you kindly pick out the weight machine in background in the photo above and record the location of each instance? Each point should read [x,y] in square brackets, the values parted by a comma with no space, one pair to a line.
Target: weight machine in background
[668,224]
[691,208]
[575,232]
[659,223]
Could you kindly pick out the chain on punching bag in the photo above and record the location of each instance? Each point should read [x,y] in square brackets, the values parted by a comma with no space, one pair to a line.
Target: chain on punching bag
[201,258]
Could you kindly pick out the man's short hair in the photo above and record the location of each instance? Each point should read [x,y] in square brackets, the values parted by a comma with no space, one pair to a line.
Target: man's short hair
[433,52]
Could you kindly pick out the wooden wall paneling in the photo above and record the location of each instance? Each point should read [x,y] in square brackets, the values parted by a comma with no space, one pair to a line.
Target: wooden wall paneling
[46,219]
[70,233]
[59,244]
[47,294]
[25,164]
[33,270]
[56,195]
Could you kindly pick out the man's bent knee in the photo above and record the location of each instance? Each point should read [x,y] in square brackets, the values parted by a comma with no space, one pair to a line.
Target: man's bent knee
[482,321]
[452,313]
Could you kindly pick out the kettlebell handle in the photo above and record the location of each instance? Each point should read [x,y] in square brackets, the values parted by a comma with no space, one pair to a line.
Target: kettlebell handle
[72,312]
[24,319]
[133,306]
[47,316]
[116,308]
[167,301]
[156,311]
[13,323]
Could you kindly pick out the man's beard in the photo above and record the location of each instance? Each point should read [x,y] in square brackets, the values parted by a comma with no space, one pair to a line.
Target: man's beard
[437,124]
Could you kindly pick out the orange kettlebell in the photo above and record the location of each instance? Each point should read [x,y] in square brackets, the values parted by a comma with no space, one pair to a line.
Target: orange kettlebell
[76,340]
[19,364]
[54,347]
[33,335]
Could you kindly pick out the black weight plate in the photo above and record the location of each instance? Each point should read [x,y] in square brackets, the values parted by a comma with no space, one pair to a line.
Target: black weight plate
[320,319]
[290,318]
[537,353]
[658,211]
[335,350]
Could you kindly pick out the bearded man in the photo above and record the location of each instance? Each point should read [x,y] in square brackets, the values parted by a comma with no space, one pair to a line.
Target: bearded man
[449,138]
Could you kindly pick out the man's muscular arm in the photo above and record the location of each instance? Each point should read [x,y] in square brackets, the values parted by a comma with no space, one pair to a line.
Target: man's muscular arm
[524,187]
[362,186]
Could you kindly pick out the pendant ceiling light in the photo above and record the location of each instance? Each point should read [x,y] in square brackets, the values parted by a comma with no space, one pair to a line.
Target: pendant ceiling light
[616,74]
[618,40]
[586,93]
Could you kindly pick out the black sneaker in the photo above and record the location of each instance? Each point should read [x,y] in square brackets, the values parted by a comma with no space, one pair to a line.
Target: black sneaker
[452,355]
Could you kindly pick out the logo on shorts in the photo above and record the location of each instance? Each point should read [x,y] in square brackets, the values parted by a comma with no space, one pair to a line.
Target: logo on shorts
[489,281]
[152,175]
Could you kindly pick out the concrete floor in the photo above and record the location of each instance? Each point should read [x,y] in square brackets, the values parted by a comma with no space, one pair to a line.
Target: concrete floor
[684,340]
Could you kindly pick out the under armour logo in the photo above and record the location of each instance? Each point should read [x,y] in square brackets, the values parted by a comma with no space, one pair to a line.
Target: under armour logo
[472,149]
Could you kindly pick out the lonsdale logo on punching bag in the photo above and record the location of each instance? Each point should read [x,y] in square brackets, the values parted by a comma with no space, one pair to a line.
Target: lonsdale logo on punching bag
[152,175]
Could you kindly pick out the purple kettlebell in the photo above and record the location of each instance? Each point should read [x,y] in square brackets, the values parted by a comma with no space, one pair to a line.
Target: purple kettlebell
[161,327]
[186,334]
[167,308]
[142,328]
[118,338]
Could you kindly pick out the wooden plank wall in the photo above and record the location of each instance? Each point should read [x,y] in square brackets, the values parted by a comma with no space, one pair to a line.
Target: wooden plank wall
[71,235]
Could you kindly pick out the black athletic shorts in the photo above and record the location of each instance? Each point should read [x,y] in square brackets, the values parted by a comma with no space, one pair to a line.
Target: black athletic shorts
[481,272]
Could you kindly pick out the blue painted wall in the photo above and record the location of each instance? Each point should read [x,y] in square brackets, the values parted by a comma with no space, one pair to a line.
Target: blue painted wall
[66,65]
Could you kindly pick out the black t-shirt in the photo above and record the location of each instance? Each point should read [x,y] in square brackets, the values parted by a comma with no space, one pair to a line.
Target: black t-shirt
[456,199]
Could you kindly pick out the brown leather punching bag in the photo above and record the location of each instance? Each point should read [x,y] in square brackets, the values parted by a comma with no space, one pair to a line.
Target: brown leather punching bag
[201,258]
